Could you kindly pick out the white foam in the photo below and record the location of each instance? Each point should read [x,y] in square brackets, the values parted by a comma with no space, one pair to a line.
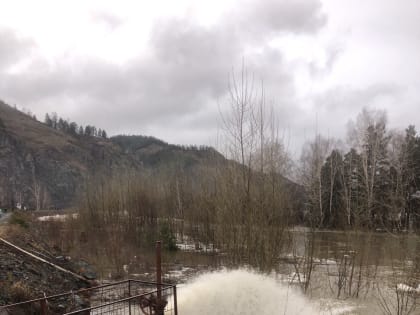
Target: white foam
[241,292]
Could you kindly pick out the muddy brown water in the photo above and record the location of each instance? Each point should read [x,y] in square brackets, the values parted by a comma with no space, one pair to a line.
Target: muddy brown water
[357,272]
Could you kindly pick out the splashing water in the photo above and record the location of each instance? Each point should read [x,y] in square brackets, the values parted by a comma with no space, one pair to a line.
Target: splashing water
[241,292]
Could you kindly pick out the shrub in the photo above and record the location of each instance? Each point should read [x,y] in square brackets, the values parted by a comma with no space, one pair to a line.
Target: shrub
[20,292]
[168,237]
[19,219]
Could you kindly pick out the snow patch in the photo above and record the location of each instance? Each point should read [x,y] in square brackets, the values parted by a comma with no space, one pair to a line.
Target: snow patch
[57,217]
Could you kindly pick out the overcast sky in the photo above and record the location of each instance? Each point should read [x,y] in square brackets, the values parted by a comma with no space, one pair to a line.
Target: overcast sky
[161,68]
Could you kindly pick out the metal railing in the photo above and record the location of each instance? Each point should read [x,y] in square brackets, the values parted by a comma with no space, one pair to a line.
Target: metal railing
[129,297]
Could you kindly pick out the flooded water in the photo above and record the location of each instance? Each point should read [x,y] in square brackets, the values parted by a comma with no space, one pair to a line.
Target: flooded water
[379,273]
[339,272]
[384,249]
[329,272]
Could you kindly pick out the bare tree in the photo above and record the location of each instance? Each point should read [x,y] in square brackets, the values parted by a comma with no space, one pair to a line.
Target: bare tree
[37,191]
[312,159]
[252,200]
[369,137]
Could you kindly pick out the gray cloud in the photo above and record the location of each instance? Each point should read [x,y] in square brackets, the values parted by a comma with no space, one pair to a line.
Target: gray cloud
[263,18]
[333,53]
[351,100]
[179,84]
[13,48]
[175,90]
[336,106]
[107,19]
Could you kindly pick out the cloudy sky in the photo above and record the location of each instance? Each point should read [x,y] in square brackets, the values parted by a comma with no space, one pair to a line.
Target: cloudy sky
[162,67]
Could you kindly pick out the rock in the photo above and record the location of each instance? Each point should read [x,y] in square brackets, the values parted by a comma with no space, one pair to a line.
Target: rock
[38,277]
[80,303]
[85,269]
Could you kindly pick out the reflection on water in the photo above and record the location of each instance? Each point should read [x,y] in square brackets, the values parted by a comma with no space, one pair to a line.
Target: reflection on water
[376,249]
[382,249]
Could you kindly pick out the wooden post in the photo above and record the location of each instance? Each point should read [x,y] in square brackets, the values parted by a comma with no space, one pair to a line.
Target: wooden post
[159,310]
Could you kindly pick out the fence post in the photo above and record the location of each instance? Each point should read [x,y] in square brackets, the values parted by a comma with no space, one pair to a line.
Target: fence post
[159,310]
[43,306]
[129,295]
[175,301]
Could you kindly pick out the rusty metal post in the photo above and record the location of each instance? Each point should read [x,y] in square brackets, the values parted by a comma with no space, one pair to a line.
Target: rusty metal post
[175,301]
[129,295]
[159,311]
[43,306]
[159,268]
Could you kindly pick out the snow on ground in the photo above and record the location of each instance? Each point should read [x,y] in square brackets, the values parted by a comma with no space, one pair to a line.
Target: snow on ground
[57,217]
[408,289]
[186,243]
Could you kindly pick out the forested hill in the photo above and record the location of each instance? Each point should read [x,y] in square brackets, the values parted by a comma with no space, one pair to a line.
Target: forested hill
[47,164]
[152,152]
[44,167]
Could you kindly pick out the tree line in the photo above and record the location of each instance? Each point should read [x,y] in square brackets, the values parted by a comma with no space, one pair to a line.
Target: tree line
[72,128]
[135,142]
[373,183]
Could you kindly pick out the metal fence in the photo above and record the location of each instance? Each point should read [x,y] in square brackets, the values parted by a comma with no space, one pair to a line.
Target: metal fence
[129,297]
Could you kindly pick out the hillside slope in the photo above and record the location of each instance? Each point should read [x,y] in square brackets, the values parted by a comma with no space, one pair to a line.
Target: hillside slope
[41,167]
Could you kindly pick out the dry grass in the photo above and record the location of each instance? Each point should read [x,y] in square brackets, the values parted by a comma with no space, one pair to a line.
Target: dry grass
[20,292]
[10,231]
[27,128]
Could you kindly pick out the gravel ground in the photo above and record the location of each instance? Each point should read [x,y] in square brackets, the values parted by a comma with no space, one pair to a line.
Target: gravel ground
[23,277]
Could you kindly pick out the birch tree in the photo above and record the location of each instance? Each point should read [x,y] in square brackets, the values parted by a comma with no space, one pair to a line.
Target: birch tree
[312,160]
[369,137]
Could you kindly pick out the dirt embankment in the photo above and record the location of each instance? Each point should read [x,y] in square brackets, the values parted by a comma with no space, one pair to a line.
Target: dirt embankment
[24,277]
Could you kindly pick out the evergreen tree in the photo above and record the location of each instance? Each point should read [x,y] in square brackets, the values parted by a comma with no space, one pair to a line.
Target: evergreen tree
[73,128]
[54,120]
[352,179]
[88,130]
[48,120]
